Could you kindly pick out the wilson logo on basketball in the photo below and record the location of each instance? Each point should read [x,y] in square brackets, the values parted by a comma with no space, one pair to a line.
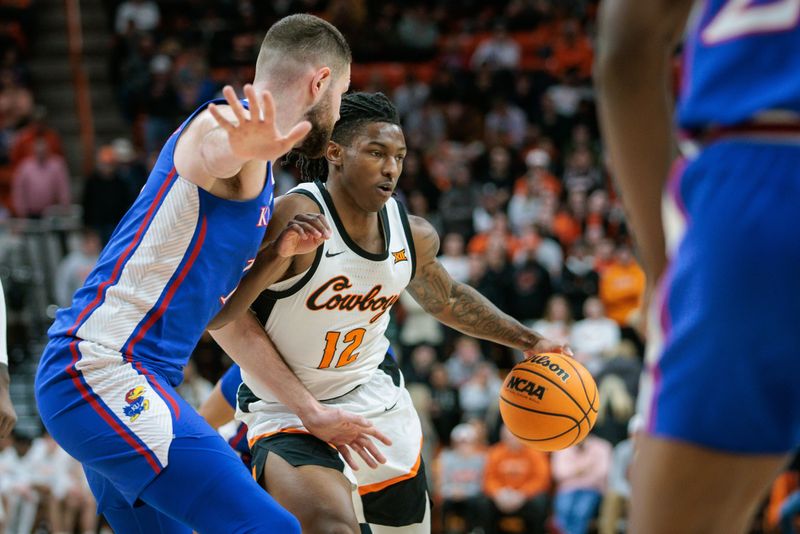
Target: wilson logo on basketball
[544,361]
[331,296]
[526,386]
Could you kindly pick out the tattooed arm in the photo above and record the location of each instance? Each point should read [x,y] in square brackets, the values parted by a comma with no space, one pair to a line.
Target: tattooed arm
[460,306]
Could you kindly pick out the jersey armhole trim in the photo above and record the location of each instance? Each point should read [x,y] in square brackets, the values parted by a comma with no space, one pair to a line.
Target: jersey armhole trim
[409,238]
[308,194]
[352,245]
[297,286]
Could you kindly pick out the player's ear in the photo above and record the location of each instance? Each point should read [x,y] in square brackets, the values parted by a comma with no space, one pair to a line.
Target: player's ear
[320,81]
[333,153]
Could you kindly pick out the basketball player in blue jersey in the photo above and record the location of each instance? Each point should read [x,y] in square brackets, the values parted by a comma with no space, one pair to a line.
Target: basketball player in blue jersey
[8,417]
[720,392]
[327,311]
[105,383]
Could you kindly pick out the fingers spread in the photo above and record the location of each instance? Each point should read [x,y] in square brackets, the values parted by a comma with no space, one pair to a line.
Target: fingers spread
[373,450]
[345,452]
[297,133]
[255,107]
[235,104]
[374,432]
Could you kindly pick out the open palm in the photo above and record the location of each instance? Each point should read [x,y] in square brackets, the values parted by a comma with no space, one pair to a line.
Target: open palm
[254,135]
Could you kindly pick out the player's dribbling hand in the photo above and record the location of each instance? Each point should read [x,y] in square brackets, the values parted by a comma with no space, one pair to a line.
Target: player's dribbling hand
[347,432]
[302,235]
[547,345]
[254,135]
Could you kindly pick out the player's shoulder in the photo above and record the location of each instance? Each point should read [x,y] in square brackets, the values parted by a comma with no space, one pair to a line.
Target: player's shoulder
[295,202]
[425,236]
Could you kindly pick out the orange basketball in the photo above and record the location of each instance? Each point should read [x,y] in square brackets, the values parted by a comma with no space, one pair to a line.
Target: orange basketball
[549,401]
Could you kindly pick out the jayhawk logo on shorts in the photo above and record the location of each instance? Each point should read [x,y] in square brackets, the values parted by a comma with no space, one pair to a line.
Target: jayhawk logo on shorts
[136,403]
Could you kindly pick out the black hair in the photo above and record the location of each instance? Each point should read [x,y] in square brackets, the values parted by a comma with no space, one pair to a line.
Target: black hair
[358,110]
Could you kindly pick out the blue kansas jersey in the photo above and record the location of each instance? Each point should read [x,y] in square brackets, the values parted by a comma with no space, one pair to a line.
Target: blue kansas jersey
[175,256]
[741,59]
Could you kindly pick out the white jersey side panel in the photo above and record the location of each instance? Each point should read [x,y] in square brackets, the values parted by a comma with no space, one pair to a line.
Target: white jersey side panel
[329,322]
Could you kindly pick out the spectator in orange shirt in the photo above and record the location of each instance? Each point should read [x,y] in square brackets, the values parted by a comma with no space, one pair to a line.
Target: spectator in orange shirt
[572,51]
[500,231]
[517,480]
[27,136]
[622,286]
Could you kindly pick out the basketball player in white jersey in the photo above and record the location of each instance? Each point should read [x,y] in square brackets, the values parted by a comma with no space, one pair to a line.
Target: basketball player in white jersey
[327,312]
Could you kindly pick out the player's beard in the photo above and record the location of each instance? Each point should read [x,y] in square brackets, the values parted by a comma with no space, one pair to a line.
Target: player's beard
[321,118]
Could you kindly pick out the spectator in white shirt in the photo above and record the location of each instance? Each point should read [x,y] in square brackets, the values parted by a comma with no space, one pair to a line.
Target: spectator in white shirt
[595,336]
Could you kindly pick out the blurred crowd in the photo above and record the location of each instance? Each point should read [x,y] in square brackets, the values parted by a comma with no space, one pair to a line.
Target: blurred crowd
[504,160]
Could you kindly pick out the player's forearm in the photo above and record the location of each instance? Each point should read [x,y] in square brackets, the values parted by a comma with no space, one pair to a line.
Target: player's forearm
[245,341]
[632,80]
[268,269]
[473,314]
[217,156]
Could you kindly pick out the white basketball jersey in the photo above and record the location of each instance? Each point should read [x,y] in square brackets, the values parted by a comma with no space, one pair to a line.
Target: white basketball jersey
[329,322]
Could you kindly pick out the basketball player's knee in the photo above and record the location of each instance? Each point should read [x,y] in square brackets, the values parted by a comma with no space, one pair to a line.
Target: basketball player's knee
[324,522]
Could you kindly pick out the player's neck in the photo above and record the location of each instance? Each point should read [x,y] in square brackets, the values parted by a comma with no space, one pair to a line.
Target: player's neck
[360,225]
[291,108]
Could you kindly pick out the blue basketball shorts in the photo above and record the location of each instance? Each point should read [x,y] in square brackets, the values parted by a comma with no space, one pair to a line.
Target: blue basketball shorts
[153,464]
[723,363]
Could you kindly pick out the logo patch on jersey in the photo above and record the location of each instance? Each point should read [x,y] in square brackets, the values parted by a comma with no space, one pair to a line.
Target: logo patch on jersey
[263,218]
[331,296]
[328,253]
[399,256]
[136,403]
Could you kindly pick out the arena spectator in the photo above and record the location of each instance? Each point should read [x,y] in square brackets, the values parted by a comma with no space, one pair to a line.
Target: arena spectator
[459,476]
[517,482]
[41,181]
[445,408]
[139,15]
[106,197]
[593,336]
[581,474]
[453,259]
[498,52]
[622,286]
[76,266]
[557,321]
[579,280]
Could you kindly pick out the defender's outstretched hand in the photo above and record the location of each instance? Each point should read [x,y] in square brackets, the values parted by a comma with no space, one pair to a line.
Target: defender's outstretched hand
[254,135]
[347,431]
[304,233]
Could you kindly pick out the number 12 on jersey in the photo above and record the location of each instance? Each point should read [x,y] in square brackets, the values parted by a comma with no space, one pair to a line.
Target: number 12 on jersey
[352,340]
